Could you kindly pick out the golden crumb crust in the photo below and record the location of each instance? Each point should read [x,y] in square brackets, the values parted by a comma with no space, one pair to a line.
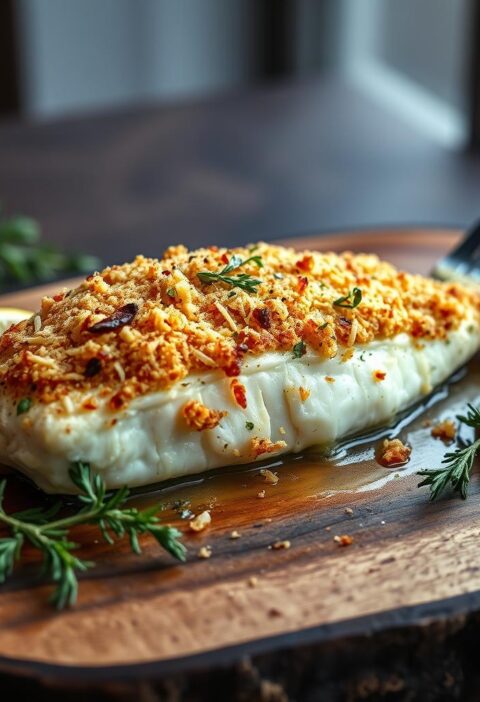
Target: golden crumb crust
[143,326]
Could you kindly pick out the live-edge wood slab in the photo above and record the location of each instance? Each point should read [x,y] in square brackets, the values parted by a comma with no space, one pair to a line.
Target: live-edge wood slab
[409,559]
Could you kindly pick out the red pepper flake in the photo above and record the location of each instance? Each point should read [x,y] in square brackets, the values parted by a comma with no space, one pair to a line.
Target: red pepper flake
[166,273]
[305,263]
[59,297]
[262,316]
[345,323]
[379,375]
[118,319]
[239,393]
[302,283]
[121,398]
[224,258]
[233,369]
[244,340]
[117,402]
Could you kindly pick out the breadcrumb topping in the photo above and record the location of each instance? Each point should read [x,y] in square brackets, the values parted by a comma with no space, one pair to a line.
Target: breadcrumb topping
[144,326]
[199,417]
[261,446]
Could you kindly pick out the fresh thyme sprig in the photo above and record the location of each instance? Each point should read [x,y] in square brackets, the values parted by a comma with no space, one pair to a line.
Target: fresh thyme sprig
[350,301]
[458,464]
[23,258]
[51,538]
[241,280]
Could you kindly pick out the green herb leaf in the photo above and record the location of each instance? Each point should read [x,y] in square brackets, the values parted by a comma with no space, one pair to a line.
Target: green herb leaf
[241,280]
[299,349]
[458,464]
[24,405]
[353,299]
[171,292]
[472,418]
[20,230]
[51,538]
[249,425]
[25,259]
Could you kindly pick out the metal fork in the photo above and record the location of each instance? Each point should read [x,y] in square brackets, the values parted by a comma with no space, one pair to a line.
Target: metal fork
[463,263]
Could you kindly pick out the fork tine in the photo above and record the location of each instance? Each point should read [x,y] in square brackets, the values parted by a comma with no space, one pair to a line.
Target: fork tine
[464,260]
[469,243]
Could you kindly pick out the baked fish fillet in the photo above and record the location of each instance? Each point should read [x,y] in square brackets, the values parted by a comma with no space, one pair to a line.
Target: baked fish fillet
[161,368]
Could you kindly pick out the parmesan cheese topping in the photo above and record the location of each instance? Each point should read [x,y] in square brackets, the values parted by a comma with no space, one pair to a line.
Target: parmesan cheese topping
[144,326]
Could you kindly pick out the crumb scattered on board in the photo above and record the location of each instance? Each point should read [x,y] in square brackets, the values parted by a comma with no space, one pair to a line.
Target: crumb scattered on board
[343,540]
[201,522]
[235,534]
[270,477]
[394,453]
[445,430]
[205,552]
[261,494]
[278,545]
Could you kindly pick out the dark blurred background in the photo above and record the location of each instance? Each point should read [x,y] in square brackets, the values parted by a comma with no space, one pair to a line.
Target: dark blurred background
[126,125]
[67,56]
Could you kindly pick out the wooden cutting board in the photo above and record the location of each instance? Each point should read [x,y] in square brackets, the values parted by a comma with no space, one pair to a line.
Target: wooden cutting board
[409,559]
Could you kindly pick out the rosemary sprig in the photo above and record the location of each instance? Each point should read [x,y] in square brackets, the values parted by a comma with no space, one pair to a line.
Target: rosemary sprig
[458,464]
[240,280]
[24,259]
[51,538]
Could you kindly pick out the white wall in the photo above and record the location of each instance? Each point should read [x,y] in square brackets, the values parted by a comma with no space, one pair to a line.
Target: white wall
[84,54]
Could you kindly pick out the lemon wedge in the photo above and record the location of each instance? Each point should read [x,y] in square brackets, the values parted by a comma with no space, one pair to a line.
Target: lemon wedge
[12,315]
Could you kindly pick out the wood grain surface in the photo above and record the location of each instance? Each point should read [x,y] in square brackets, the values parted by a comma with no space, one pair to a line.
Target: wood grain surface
[409,559]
